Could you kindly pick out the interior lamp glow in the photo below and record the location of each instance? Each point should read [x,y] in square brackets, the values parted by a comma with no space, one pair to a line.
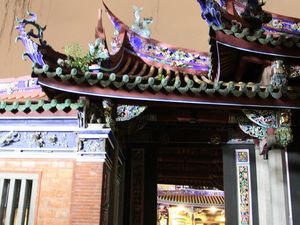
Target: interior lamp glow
[180,208]
[222,219]
[213,209]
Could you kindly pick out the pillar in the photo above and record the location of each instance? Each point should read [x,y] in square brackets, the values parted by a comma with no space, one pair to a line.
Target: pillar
[278,187]
[263,189]
[272,185]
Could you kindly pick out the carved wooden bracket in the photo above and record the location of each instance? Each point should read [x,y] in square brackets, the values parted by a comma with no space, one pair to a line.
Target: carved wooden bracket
[270,128]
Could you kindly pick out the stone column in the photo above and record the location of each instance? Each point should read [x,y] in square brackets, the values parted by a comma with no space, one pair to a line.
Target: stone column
[278,187]
[272,185]
[273,129]
[263,189]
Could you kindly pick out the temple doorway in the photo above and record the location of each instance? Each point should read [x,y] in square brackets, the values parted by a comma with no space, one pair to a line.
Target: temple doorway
[190,185]
[175,185]
[175,148]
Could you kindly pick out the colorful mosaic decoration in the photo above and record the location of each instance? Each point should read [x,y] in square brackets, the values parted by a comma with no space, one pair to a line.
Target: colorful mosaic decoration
[254,130]
[283,26]
[265,123]
[263,118]
[242,157]
[169,56]
[128,112]
[118,35]
[244,187]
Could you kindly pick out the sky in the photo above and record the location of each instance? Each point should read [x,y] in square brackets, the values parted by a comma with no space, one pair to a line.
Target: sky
[74,21]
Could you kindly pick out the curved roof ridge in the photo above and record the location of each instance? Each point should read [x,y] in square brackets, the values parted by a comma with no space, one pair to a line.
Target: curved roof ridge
[127,28]
[160,54]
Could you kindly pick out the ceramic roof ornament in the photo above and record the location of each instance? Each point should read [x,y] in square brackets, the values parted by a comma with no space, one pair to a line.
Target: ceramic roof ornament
[211,12]
[141,25]
[31,48]
[254,13]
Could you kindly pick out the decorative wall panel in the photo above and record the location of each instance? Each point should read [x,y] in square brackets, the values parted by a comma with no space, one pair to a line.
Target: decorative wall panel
[244,187]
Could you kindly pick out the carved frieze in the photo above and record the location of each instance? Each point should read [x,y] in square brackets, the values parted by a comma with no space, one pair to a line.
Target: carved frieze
[60,138]
[92,145]
[37,140]
[8,138]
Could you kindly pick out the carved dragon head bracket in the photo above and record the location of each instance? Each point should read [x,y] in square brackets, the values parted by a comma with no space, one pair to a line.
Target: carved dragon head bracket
[271,128]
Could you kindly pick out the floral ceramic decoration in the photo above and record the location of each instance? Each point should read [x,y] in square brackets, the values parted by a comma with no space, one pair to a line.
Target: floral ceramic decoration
[169,56]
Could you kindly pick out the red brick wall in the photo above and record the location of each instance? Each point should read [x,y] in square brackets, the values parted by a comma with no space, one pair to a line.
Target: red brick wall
[69,192]
[86,200]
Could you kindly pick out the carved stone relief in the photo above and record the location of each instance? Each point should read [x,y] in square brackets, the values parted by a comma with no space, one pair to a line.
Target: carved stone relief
[37,140]
[93,145]
[8,138]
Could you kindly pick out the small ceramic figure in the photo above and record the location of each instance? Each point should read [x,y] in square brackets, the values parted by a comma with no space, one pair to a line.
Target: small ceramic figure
[279,75]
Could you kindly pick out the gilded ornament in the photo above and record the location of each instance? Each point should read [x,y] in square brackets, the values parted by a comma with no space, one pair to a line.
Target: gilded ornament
[284,136]
[284,118]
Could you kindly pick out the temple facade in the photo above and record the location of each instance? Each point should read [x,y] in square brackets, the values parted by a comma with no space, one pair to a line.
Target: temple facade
[143,132]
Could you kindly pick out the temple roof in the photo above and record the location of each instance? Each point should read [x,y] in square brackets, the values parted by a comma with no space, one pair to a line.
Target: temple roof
[26,95]
[191,197]
[280,33]
[245,36]
[143,69]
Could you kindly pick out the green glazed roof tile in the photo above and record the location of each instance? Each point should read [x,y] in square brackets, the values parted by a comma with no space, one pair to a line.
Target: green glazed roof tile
[177,84]
[40,105]
[234,28]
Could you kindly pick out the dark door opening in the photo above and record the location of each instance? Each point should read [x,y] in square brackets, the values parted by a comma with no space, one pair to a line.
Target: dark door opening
[177,147]
[196,196]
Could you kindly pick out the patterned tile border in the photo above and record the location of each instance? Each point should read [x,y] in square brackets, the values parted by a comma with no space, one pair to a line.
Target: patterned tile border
[244,187]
